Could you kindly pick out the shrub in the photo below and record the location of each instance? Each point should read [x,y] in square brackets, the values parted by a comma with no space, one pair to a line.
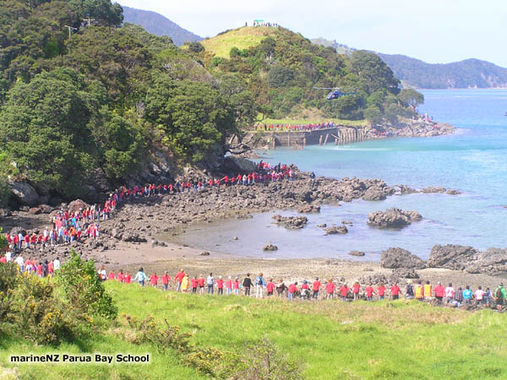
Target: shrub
[82,290]
[264,361]
[36,314]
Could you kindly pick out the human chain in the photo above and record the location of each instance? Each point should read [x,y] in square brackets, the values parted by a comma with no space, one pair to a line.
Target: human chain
[68,226]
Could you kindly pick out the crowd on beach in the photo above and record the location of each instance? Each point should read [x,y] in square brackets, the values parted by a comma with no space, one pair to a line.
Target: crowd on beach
[67,226]
[260,286]
[295,127]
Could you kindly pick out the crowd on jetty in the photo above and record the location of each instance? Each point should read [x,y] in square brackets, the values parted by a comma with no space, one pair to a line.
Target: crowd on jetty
[295,127]
[69,225]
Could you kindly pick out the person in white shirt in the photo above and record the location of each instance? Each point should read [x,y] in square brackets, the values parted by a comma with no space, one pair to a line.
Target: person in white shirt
[479,296]
[449,293]
[8,256]
[56,264]
[21,263]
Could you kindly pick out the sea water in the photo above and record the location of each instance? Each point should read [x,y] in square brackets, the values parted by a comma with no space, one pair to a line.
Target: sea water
[474,161]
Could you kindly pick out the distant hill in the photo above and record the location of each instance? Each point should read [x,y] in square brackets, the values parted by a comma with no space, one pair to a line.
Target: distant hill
[470,73]
[159,25]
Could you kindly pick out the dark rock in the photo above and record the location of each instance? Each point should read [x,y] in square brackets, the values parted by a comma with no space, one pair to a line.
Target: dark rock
[334,230]
[133,238]
[270,247]
[400,258]
[322,225]
[453,192]
[24,193]
[356,253]
[349,222]
[493,261]
[76,205]
[374,194]
[291,222]
[309,208]
[433,189]
[451,256]
[204,253]
[405,273]
[393,218]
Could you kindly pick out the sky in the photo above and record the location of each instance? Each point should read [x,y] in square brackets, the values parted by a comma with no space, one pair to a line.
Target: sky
[436,31]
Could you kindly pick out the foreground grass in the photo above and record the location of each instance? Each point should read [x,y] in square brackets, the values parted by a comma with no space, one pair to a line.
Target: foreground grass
[333,340]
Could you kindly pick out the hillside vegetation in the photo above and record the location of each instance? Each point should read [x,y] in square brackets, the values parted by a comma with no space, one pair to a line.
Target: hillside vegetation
[311,340]
[84,112]
[470,73]
[284,71]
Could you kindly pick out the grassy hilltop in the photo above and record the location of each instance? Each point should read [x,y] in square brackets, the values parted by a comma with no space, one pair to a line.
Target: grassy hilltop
[330,340]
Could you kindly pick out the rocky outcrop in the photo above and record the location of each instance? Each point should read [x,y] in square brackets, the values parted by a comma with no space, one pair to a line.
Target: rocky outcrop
[493,261]
[291,222]
[356,253]
[309,208]
[24,193]
[393,218]
[374,194]
[433,189]
[405,273]
[270,247]
[335,230]
[451,256]
[76,205]
[395,258]
[453,192]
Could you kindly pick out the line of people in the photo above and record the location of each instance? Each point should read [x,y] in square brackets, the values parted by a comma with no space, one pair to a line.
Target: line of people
[295,127]
[259,287]
[67,226]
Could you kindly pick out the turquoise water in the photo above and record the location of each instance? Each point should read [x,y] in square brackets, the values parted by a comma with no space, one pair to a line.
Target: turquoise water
[473,161]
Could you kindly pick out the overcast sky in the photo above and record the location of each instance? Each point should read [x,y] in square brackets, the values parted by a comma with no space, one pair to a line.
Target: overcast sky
[436,31]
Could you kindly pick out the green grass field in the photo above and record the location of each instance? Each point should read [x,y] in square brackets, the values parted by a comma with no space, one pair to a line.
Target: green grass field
[332,339]
[242,38]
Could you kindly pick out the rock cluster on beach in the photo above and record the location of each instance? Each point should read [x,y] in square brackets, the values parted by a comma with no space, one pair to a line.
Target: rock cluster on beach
[290,222]
[393,218]
[336,230]
[492,261]
[395,258]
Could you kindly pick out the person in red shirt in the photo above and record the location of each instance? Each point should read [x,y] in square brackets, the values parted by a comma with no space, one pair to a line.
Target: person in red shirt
[120,276]
[344,290]
[369,291]
[3,260]
[439,292]
[355,290]
[201,282]
[330,286]
[228,285]
[165,280]
[381,290]
[39,269]
[154,280]
[395,291]
[293,288]
[179,278]
[194,284]
[220,286]
[111,276]
[270,287]
[128,278]
[316,287]
[305,290]
[235,286]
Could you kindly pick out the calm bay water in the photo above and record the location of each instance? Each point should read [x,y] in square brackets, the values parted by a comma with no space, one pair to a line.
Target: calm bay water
[473,161]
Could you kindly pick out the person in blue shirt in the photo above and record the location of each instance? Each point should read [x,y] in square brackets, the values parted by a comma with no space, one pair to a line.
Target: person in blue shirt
[467,295]
[140,277]
[259,284]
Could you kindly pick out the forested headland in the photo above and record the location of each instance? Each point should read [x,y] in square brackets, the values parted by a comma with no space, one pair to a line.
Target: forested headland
[89,103]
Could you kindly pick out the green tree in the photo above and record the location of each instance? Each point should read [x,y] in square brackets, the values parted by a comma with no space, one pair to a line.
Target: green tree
[43,127]
[411,97]
[194,118]
[372,72]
